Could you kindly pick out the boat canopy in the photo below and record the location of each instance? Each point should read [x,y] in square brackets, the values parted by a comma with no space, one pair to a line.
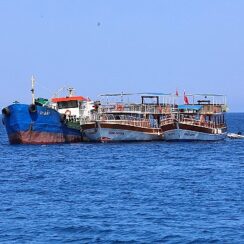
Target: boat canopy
[190,107]
[41,101]
[131,94]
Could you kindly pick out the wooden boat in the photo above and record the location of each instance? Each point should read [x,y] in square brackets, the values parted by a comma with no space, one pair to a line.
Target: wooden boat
[200,121]
[126,121]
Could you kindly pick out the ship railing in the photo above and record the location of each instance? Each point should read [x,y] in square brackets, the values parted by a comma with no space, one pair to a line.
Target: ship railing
[167,121]
[206,124]
[191,121]
[136,108]
[85,120]
[72,118]
[136,123]
[123,120]
[213,108]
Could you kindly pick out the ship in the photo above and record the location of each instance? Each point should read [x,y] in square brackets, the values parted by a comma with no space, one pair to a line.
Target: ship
[126,121]
[43,122]
[203,119]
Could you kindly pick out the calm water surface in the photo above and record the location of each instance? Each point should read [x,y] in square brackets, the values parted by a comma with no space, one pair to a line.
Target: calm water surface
[125,192]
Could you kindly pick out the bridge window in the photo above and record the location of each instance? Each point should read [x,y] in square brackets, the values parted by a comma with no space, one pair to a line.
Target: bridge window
[68,104]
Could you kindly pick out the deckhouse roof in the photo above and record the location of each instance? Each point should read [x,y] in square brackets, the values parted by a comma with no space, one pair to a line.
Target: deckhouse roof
[190,107]
[131,94]
[66,99]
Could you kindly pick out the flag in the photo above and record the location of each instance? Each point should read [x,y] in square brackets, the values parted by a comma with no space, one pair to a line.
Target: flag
[176,93]
[186,101]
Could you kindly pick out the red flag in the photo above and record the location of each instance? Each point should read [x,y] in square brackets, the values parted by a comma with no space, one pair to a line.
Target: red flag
[186,98]
[176,93]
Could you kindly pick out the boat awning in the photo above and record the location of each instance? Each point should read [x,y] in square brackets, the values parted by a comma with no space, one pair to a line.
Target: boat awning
[131,94]
[190,107]
[66,99]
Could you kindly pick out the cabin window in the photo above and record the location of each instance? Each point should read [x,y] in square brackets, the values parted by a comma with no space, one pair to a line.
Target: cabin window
[67,104]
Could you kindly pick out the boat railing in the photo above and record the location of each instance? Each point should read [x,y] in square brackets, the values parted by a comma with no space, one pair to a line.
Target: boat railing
[72,118]
[136,108]
[206,124]
[213,108]
[167,121]
[136,123]
[191,121]
[123,120]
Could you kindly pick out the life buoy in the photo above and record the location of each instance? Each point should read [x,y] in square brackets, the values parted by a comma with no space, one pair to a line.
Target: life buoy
[119,107]
[67,113]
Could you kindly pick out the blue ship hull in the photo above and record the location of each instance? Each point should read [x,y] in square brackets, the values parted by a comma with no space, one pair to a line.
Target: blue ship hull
[32,124]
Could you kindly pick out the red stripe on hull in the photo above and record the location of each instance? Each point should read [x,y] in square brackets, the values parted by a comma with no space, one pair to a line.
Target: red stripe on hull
[33,137]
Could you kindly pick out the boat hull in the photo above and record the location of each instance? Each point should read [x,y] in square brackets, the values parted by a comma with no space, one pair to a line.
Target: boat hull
[105,132]
[235,136]
[42,126]
[184,132]
[187,135]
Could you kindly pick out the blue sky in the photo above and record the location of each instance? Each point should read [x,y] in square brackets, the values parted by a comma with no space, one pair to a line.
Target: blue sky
[122,45]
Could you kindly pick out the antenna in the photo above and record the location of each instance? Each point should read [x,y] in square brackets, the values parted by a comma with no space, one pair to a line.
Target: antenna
[71,92]
[33,89]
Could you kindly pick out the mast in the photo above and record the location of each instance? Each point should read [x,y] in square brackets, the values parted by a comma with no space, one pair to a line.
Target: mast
[33,89]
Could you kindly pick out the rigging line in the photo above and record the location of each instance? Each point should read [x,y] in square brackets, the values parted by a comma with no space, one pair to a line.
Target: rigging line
[52,94]
[44,87]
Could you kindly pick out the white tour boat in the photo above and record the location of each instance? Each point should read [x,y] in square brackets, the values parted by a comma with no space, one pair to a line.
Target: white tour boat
[126,121]
[202,120]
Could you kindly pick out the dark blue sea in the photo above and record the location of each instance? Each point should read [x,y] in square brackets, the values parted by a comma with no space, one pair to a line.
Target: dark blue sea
[154,192]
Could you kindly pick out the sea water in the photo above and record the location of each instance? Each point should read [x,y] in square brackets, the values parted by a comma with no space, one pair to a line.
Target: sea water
[155,192]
